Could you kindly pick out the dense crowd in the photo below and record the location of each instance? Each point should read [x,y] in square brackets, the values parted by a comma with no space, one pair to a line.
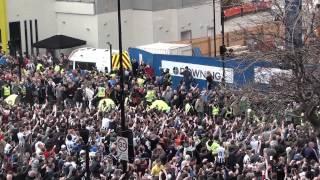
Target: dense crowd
[208,133]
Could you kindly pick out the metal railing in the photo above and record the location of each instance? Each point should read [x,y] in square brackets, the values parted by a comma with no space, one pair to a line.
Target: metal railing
[190,3]
[83,1]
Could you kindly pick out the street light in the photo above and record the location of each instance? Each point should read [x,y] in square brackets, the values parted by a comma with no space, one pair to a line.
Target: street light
[223,47]
[84,133]
[110,49]
[123,122]
[214,28]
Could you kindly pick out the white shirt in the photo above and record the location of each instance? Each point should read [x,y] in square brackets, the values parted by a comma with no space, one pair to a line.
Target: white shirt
[255,145]
[70,145]
[105,123]
[246,159]
[22,141]
[89,93]
[38,147]
[221,152]
[7,148]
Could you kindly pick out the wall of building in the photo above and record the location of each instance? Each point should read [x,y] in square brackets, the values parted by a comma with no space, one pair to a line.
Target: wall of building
[136,28]
[84,27]
[108,29]
[198,19]
[143,27]
[149,24]
[75,8]
[165,25]
[42,10]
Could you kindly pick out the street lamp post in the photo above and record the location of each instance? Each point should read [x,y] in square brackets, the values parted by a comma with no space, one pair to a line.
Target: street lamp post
[123,122]
[223,47]
[110,49]
[20,61]
[84,133]
[214,28]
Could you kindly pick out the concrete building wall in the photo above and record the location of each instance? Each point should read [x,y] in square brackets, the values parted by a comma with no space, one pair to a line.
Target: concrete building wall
[108,29]
[165,25]
[75,8]
[143,21]
[42,10]
[198,19]
[83,27]
[142,27]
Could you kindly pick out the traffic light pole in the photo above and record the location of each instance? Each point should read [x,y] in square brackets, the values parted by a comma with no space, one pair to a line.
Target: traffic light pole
[123,122]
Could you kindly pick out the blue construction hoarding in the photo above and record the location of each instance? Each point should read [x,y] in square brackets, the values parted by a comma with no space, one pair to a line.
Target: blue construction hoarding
[238,72]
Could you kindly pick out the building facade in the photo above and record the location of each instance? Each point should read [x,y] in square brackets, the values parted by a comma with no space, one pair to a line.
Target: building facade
[95,21]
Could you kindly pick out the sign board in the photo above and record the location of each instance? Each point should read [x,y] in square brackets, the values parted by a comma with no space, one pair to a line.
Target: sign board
[122,148]
[198,71]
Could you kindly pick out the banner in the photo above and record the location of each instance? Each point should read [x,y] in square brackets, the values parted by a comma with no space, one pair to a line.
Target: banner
[198,71]
[264,75]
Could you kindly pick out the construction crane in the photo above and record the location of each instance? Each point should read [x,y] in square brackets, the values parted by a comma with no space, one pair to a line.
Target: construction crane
[4,26]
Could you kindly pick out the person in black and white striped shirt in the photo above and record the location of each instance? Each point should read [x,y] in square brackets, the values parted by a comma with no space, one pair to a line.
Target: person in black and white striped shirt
[220,158]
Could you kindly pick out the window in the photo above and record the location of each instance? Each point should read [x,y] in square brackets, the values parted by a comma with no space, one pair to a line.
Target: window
[186,35]
[210,32]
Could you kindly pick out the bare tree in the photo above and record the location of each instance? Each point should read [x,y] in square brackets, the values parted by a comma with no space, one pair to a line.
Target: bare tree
[295,76]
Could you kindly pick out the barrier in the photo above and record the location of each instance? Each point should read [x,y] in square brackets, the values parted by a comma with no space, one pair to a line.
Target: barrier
[238,73]
[249,8]
[231,12]
[246,9]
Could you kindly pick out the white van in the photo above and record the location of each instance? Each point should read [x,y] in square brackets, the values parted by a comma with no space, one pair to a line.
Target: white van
[88,58]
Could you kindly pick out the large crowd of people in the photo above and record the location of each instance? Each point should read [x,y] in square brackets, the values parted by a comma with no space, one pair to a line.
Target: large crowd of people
[203,133]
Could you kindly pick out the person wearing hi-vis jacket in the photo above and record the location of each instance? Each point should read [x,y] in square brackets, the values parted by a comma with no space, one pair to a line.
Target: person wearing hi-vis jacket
[6,90]
[99,94]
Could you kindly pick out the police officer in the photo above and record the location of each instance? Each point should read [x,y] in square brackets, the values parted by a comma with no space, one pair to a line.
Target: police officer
[39,67]
[57,68]
[215,110]
[151,95]
[6,90]
[100,94]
